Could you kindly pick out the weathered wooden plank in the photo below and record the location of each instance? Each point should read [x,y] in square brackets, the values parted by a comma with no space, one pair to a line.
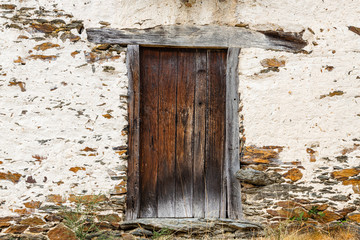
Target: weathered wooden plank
[232,163]
[133,190]
[198,37]
[167,130]
[184,135]
[199,133]
[149,139]
[216,131]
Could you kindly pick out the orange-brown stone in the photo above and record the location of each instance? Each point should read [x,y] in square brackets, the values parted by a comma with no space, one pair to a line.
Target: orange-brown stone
[33,221]
[23,37]
[273,212]
[8,6]
[39,158]
[32,204]
[119,189]
[121,152]
[345,173]
[355,217]
[108,116]
[293,174]
[332,94]
[4,224]
[16,229]
[354,29]
[293,213]
[6,219]
[312,154]
[87,199]
[61,232]
[44,28]
[327,216]
[43,57]
[101,47]
[21,211]
[13,177]
[19,60]
[318,207]
[73,54]
[20,84]
[37,229]
[55,198]
[272,62]
[45,46]
[88,149]
[76,169]
[262,155]
[354,182]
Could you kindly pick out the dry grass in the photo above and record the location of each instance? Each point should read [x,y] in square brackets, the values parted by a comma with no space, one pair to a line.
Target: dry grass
[289,231]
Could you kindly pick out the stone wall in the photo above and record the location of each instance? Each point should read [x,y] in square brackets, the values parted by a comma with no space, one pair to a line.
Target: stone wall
[63,106]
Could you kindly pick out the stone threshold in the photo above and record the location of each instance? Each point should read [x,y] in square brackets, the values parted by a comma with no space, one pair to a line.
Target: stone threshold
[191,225]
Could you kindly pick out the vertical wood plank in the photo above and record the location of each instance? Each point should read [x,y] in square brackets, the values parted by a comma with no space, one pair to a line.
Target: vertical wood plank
[133,191]
[232,135]
[184,136]
[149,89]
[199,134]
[216,133]
[167,133]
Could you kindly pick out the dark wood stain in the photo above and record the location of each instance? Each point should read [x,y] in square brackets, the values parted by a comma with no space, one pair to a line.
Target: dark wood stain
[149,135]
[199,134]
[167,130]
[215,132]
[184,136]
[182,132]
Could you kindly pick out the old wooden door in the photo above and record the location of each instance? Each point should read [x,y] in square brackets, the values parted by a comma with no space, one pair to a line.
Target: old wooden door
[182,132]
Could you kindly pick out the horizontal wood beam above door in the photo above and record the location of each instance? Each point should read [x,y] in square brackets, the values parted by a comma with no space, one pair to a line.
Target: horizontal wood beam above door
[199,37]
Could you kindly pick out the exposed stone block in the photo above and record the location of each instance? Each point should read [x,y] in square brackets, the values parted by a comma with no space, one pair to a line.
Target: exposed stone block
[293,174]
[61,232]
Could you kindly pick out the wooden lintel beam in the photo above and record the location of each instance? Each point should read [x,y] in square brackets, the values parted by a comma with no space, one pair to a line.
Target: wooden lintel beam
[198,37]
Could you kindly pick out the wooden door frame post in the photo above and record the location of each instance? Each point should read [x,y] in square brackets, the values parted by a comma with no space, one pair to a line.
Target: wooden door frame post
[133,196]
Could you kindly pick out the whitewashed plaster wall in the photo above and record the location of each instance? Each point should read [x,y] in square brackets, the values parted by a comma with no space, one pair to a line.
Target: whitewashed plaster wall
[60,112]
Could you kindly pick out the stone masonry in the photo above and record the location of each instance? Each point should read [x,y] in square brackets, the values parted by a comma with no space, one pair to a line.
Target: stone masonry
[63,110]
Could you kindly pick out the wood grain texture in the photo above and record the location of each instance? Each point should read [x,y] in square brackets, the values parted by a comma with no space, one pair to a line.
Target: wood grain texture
[216,133]
[184,136]
[197,37]
[133,190]
[199,134]
[232,162]
[187,139]
[167,131]
[149,135]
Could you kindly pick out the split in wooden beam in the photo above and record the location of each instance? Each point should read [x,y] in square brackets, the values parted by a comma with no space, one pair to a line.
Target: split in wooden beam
[199,37]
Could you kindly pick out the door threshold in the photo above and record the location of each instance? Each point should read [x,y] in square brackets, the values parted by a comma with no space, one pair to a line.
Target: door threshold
[191,225]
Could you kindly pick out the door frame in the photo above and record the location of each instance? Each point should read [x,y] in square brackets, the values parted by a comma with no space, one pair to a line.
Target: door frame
[231,157]
[230,38]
